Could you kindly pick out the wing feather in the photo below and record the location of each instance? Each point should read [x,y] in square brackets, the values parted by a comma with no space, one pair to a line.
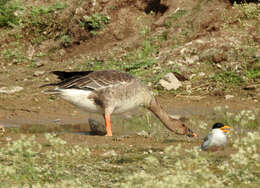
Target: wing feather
[206,142]
[95,80]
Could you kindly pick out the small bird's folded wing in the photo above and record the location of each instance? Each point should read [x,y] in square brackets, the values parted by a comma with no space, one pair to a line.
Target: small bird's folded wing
[206,142]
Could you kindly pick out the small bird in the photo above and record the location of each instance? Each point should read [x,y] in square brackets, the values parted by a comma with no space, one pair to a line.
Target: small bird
[217,138]
[111,92]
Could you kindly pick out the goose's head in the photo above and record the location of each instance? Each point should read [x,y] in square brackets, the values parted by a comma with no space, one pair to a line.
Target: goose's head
[183,129]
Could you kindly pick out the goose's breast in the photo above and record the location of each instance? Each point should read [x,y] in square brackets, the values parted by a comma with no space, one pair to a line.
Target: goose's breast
[125,106]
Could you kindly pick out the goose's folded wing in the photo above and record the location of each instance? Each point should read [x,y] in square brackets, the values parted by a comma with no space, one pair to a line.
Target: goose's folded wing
[95,80]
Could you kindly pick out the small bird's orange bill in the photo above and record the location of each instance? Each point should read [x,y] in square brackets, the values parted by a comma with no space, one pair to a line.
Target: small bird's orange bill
[225,128]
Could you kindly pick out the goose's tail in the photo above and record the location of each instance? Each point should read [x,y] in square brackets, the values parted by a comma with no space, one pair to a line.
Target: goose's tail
[52,91]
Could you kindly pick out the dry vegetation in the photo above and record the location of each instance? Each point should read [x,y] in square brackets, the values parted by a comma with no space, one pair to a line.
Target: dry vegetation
[214,46]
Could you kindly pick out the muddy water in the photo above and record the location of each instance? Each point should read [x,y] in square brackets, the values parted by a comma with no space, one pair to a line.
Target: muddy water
[181,106]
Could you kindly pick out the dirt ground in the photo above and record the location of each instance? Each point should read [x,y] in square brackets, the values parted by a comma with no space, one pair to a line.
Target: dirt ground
[31,106]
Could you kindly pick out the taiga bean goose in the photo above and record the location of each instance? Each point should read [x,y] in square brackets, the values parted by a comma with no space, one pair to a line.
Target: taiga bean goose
[111,92]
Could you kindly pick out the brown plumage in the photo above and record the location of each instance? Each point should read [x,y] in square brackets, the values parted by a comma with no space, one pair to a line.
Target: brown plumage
[110,91]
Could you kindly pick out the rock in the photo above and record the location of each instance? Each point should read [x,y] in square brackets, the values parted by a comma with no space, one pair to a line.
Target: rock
[229,97]
[110,153]
[169,81]
[213,55]
[30,52]
[11,89]
[192,76]
[171,63]
[142,133]
[180,77]
[2,130]
[38,64]
[201,74]
[38,73]
[191,60]
[96,127]
[250,87]
[178,117]
[151,160]
[80,11]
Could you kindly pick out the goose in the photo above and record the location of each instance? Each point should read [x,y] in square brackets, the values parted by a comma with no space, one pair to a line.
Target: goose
[109,92]
[217,138]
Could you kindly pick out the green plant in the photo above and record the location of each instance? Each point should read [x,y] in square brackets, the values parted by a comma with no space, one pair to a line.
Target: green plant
[16,55]
[175,16]
[8,16]
[180,167]
[247,10]
[65,40]
[245,119]
[95,21]
[254,71]
[228,77]
[46,10]
[39,25]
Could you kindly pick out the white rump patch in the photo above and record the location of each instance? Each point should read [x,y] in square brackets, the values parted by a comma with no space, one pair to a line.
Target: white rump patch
[80,98]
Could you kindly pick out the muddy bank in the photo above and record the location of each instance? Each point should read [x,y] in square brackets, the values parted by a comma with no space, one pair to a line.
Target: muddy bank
[66,114]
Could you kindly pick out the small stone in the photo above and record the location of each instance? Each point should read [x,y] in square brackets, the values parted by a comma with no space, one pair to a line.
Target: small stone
[191,60]
[11,89]
[110,153]
[171,63]
[142,133]
[30,52]
[227,97]
[96,127]
[169,82]
[191,76]
[175,117]
[38,64]
[201,74]
[38,73]
[2,130]
[151,160]
[80,11]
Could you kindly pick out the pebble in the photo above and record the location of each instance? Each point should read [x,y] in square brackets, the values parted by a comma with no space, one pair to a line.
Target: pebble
[229,97]
[11,89]
[38,73]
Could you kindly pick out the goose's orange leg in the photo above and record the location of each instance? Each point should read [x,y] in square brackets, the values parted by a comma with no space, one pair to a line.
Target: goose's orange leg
[108,125]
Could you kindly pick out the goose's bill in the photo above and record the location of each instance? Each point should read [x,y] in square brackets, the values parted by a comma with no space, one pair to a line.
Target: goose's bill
[190,133]
[195,135]
[225,128]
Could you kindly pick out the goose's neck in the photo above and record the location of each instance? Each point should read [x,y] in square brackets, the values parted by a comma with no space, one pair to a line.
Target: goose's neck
[173,125]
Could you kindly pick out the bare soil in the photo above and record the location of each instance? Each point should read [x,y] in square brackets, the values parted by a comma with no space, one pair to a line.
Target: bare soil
[122,34]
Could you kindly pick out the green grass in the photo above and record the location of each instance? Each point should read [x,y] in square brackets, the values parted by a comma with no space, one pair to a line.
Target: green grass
[175,16]
[254,71]
[230,78]
[54,162]
[48,160]
[95,22]
[14,54]
[245,119]
[7,13]
[138,62]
